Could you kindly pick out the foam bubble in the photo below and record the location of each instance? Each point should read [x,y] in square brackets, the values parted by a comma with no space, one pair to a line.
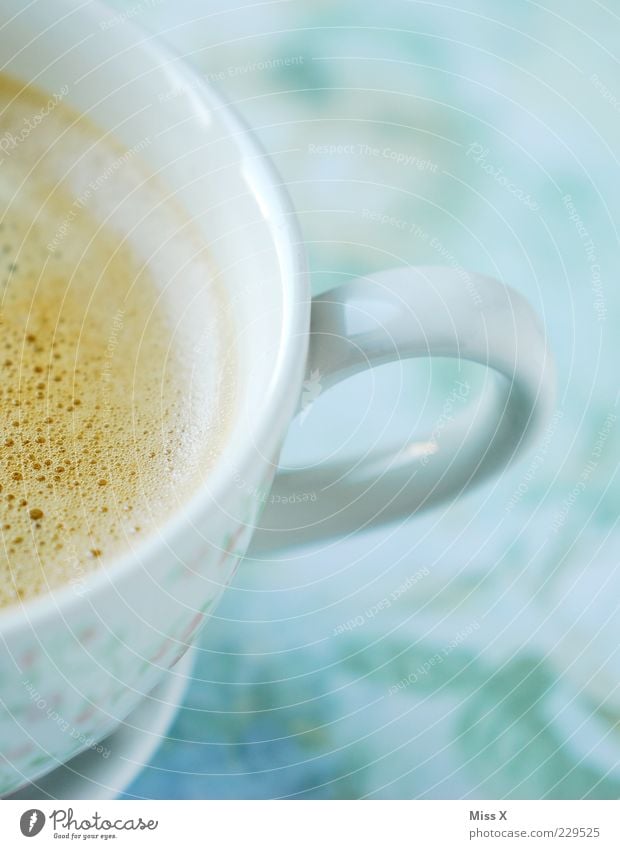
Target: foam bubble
[98,439]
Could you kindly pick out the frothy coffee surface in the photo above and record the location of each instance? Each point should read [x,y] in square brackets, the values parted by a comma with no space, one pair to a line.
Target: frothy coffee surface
[104,425]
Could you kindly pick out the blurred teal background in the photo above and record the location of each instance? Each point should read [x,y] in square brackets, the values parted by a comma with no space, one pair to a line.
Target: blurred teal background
[483,136]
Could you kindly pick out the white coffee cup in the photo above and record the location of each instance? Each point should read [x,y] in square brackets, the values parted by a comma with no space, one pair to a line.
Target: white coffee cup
[75,661]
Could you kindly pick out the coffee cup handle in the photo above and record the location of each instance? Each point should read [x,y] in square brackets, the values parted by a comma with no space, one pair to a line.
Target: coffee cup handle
[400,314]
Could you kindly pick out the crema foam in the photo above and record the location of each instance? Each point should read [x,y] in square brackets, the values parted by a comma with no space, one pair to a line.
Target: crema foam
[116,365]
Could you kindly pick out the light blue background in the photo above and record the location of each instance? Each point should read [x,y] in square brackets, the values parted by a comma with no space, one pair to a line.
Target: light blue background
[528,703]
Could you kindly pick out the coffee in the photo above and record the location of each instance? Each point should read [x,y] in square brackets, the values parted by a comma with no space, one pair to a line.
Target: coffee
[110,410]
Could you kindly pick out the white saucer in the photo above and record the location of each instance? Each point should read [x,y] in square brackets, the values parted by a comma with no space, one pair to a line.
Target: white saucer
[131,747]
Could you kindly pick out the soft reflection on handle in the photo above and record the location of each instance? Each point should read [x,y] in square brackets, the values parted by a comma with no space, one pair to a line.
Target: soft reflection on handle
[401,314]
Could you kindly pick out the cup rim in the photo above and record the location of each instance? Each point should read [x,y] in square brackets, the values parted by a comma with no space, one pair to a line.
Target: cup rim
[294,326]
